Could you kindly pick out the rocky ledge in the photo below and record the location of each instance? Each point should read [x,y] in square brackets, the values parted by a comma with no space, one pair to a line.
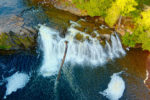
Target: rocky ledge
[15,35]
[65,5]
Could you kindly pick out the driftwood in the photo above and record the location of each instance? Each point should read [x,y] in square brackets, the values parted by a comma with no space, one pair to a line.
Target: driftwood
[59,73]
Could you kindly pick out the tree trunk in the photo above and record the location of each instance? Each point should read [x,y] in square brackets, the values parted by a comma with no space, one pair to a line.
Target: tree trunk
[59,73]
[119,23]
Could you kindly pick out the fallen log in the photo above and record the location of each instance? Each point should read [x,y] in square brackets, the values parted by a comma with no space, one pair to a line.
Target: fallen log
[59,73]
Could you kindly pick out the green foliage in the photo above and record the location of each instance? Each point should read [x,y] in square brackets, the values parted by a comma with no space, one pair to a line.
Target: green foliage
[144,38]
[143,29]
[4,44]
[113,14]
[129,40]
[127,6]
[119,8]
[4,47]
[145,20]
[93,7]
[141,33]
[142,3]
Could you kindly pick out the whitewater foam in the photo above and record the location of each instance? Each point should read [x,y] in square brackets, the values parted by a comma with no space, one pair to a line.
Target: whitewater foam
[15,82]
[115,87]
[50,62]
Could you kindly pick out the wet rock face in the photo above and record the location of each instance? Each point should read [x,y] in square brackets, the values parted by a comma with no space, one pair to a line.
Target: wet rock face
[14,35]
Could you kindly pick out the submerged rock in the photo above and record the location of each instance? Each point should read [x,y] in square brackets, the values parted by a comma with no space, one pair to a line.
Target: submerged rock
[79,37]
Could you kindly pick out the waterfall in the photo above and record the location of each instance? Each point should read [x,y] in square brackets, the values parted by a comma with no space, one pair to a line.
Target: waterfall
[50,62]
[79,52]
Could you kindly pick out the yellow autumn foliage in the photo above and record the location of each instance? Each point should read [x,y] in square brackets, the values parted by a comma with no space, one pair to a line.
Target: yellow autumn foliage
[119,8]
[112,16]
[145,20]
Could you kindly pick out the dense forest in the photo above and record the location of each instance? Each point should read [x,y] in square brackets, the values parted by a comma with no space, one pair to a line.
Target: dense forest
[113,11]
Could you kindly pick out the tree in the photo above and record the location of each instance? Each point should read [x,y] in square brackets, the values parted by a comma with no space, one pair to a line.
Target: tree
[119,8]
[143,26]
[144,20]
[141,33]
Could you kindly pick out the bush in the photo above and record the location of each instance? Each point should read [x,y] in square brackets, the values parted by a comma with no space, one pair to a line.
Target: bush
[141,33]
[129,40]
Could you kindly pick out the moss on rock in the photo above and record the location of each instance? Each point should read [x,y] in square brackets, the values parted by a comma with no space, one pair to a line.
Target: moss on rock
[9,41]
[79,37]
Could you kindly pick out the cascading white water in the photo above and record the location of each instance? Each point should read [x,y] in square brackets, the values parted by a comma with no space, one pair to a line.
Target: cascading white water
[86,52]
[116,46]
[50,62]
